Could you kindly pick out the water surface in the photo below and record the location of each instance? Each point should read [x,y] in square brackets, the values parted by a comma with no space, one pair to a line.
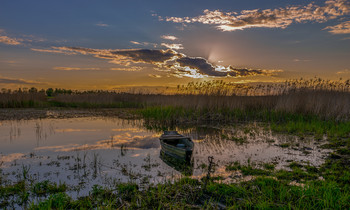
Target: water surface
[85,151]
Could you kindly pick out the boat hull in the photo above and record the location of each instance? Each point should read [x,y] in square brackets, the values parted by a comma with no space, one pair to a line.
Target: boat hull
[176,152]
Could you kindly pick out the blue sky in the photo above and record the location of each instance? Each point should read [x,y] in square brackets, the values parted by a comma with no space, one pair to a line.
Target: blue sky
[110,44]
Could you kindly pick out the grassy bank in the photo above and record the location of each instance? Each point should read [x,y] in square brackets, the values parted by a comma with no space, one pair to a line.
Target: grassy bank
[262,192]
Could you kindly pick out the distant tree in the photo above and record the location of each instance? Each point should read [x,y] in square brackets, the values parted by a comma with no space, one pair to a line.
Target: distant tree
[49,92]
[33,90]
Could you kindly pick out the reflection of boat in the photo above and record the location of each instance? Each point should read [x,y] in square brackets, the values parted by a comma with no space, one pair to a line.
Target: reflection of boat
[176,145]
[181,165]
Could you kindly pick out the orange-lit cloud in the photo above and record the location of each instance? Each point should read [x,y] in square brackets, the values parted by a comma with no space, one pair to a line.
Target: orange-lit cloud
[269,18]
[155,75]
[10,41]
[53,50]
[169,37]
[345,71]
[131,68]
[173,46]
[75,69]
[144,43]
[342,28]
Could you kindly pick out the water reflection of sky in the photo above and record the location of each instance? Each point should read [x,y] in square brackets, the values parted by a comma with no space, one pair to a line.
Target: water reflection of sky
[125,149]
[70,134]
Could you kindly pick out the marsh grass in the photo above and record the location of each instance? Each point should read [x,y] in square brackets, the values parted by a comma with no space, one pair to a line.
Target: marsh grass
[323,98]
[262,192]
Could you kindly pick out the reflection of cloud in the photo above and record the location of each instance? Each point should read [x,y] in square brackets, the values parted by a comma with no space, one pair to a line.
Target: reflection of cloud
[342,28]
[177,64]
[74,69]
[125,139]
[169,37]
[173,46]
[68,130]
[57,148]
[269,18]
[11,157]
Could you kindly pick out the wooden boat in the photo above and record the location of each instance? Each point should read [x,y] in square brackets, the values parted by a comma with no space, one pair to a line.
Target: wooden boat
[176,145]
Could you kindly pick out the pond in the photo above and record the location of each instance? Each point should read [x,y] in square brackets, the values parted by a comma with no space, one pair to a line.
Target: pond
[85,151]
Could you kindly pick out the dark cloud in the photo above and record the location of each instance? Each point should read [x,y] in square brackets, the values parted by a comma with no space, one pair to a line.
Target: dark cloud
[201,65]
[16,81]
[146,55]
[175,63]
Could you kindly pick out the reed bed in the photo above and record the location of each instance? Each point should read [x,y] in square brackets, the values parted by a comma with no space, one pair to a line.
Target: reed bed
[324,98]
[22,99]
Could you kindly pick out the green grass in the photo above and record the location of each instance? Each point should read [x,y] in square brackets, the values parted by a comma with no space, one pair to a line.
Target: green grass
[262,192]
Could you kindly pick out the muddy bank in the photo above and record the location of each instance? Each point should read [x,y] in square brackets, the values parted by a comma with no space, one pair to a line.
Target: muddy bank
[30,114]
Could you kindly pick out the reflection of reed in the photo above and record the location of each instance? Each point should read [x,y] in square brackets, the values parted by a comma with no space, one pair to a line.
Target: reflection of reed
[15,131]
[38,131]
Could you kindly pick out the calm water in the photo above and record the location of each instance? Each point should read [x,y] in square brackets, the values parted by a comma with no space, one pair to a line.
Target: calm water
[87,151]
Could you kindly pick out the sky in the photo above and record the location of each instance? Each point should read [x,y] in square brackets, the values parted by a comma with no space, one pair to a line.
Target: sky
[112,44]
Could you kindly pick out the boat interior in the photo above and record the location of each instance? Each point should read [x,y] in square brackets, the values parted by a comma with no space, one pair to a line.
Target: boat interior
[180,143]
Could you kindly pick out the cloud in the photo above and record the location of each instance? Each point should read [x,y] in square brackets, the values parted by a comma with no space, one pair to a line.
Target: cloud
[134,42]
[342,28]
[53,50]
[345,71]
[155,75]
[5,39]
[144,43]
[75,69]
[269,18]
[169,37]
[102,25]
[10,41]
[173,46]
[301,60]
[170,61]
[6,80]
[9,61]
[132,68]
